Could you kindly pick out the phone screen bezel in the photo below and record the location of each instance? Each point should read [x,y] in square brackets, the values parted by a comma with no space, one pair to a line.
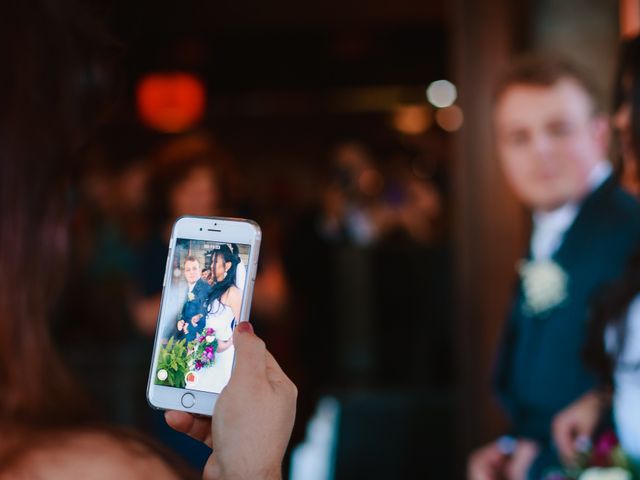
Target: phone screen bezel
[214,229]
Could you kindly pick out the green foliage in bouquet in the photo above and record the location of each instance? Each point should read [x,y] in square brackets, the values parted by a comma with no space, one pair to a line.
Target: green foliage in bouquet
[172,359]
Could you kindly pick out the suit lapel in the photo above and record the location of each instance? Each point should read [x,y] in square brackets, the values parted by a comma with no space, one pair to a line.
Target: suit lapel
[574,239]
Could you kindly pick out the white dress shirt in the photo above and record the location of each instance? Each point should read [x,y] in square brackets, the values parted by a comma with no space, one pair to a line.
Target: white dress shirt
[549,228]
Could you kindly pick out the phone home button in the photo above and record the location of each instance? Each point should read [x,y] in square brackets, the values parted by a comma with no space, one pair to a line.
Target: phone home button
[188,400]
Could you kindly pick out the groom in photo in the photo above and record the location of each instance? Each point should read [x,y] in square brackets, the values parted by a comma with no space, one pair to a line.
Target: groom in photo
[552,141]
[193,315]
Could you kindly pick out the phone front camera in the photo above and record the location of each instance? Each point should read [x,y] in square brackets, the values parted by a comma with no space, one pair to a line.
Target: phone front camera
[200,228]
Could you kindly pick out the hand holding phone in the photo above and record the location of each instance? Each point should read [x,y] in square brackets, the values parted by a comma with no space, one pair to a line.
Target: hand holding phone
[259,404]
[194,352]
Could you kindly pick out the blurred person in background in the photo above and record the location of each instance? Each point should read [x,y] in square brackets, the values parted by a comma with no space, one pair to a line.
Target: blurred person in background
[59,84]
[188,182]
[107,225]
[351,205]
[613,344]
[206,275]
[552,140]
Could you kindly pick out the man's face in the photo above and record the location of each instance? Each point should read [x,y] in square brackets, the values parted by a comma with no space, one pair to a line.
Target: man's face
[549,140]
[191,271]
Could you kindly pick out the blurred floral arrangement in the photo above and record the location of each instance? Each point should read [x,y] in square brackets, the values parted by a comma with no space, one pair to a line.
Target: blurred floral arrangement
[602,460]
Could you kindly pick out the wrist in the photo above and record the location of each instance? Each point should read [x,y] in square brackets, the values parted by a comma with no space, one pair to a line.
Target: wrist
[274,473]
[600,398]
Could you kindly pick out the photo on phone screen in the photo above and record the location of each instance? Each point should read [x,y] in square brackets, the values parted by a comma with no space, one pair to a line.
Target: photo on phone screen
[200,309]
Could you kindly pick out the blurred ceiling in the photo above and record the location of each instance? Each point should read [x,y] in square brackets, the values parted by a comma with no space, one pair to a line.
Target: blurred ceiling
[286,44]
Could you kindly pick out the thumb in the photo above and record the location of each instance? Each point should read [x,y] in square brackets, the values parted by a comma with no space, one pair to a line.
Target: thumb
[251,353]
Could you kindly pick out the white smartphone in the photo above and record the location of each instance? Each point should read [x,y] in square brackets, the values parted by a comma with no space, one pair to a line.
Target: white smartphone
[208,284]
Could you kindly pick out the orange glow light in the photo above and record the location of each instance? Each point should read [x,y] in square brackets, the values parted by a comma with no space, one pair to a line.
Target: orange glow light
[170,102]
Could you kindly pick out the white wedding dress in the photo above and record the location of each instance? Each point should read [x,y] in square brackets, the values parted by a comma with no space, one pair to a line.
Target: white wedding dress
[214,377]
[626,398]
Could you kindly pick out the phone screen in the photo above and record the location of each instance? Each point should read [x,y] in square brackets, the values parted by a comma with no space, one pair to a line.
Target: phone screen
[201,306]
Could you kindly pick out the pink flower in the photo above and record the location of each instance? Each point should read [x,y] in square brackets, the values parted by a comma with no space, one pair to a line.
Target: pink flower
[603,448]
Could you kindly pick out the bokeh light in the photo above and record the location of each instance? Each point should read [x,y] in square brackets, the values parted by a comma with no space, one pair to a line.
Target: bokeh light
[170,102]
[412,119]
[450,118]
[442,93]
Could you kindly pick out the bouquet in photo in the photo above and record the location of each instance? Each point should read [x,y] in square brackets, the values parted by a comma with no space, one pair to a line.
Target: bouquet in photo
[203,349]
[602,460]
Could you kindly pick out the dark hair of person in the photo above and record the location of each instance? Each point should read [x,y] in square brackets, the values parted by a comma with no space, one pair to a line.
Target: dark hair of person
[14,457]
[545,70]
[55,89]
[610,308]
[227,254]
[627,87]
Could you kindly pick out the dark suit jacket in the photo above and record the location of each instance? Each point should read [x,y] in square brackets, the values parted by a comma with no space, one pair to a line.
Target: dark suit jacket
[540,369]
[194,307]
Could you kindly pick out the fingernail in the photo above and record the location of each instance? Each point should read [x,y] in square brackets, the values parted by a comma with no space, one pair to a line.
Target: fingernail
[245,327]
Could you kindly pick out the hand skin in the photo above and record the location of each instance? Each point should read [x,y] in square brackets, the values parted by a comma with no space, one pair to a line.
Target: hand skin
[489,463]
[195,319]
[520,462]
[577,420]
[253,417]
[486,463]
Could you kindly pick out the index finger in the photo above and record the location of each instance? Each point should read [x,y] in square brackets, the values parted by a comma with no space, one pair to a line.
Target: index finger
[196,427]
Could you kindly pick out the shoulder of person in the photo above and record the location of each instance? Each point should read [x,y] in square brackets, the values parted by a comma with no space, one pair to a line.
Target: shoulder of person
[234,293]
[202,286]
[616,208]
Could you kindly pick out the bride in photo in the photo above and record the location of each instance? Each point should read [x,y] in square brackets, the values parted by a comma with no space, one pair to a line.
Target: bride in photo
[223,310]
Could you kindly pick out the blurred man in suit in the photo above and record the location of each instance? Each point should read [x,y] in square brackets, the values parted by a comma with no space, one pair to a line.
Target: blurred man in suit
[193,315]
[552,140]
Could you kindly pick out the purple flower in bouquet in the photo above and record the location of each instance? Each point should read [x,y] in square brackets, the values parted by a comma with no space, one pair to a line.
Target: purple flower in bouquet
[201,339]
[198,364]
[603,448]
[210,331]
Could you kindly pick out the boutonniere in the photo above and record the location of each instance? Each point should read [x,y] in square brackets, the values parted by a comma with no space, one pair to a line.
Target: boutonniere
[191,296]
[544,284]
